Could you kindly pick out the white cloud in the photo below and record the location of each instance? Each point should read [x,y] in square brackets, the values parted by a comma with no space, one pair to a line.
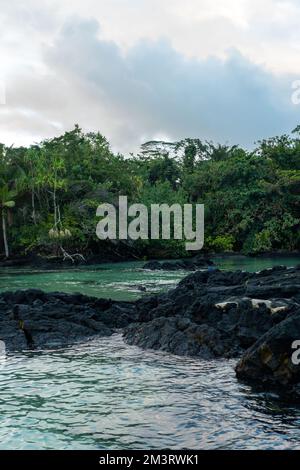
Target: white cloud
[219,70]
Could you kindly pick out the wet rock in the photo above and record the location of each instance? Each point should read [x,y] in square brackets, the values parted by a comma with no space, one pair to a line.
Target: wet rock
[177,336]
[141,288]
[153,265]
[198,262]
[35,319]
[235,327]
[219,301]
[269,359]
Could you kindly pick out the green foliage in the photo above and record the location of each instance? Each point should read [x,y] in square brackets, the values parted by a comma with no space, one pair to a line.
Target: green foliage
[221,243]
[252,199]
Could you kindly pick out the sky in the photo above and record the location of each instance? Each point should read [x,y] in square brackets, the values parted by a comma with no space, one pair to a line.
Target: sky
[138,70]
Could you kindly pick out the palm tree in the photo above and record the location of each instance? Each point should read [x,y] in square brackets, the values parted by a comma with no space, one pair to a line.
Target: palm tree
[7,202]
[10,179]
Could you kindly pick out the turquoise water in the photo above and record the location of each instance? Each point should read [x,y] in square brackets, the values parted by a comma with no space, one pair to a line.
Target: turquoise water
[119,281]
[108,395]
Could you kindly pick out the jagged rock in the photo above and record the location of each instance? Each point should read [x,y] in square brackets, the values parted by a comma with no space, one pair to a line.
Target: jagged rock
[35,319]
[218,300]
[269,360]
[176,335]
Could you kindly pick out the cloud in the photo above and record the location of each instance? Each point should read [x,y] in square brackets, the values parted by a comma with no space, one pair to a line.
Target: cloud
[152,86]
[263,31]
[152,90]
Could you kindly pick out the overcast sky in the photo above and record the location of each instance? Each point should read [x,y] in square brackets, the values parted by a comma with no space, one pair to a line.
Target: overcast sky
[149,69]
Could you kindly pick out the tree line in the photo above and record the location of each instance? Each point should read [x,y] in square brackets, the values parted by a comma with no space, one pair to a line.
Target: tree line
[49,193]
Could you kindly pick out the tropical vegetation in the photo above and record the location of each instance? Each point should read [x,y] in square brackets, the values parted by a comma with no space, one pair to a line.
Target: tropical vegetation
[49,193]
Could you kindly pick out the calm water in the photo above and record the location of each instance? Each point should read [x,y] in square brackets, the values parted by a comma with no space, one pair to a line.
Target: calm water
[119,281]
[107,395]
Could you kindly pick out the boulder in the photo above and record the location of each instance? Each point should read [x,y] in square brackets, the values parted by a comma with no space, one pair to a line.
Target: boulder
[269,360]
[35,319]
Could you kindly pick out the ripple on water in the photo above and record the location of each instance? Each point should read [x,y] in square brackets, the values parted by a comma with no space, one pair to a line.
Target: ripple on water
[107,395]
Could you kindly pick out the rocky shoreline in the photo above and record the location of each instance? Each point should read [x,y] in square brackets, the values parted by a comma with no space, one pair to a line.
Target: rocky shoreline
[254,317]
[190,264]
[58,262]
